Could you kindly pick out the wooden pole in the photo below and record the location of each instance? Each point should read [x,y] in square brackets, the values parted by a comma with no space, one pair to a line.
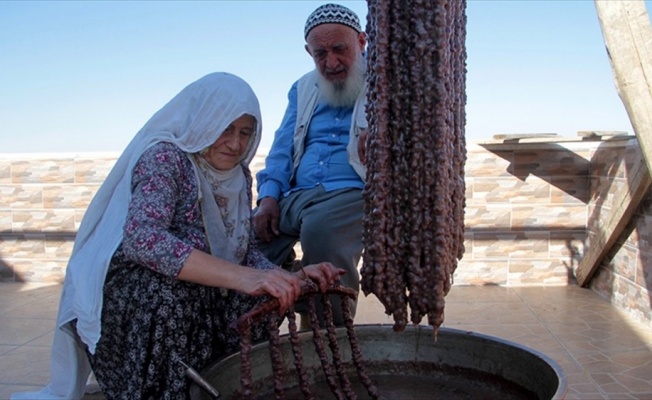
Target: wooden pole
[628,39]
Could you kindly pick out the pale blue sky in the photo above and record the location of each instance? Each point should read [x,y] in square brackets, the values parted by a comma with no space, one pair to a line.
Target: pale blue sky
[79,76]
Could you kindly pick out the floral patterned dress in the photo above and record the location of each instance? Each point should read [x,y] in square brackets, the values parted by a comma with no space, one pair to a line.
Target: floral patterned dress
[150,320]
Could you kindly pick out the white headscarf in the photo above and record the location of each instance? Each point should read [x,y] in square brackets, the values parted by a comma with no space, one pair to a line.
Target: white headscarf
[192,120]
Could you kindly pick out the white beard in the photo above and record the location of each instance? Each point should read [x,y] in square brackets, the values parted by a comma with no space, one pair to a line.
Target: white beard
[344,94]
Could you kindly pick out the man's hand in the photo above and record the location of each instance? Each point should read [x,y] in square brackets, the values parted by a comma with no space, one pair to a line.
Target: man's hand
[266,218]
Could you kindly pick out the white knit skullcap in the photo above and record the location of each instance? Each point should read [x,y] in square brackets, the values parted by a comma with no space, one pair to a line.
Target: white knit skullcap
[332,14]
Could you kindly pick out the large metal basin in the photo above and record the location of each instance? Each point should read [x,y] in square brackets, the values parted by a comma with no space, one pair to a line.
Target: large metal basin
[407,365]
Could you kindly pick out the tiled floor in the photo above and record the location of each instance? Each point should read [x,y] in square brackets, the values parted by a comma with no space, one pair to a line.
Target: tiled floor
[604,354]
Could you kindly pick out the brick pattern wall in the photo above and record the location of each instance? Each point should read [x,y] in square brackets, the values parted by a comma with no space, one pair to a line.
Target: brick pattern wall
[526,213]
[625,277]
[531,209]
[42,201]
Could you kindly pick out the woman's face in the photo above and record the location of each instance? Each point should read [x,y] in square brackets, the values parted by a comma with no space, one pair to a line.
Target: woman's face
[227,151]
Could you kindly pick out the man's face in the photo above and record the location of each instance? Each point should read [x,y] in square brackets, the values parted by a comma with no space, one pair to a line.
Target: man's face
[334,48]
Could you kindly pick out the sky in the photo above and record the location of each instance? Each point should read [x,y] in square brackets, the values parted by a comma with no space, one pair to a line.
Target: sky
[85,76]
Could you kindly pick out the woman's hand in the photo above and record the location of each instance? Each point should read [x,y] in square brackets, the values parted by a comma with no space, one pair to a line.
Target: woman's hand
[202,268]
[277,282]
[323,274]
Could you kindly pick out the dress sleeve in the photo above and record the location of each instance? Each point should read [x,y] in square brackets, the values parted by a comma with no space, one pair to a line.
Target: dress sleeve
[158,182]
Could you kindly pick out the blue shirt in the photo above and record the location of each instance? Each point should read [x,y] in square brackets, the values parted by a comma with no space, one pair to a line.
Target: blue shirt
[325,160]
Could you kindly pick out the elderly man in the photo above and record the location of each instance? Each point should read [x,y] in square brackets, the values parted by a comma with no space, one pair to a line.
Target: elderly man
[311,188]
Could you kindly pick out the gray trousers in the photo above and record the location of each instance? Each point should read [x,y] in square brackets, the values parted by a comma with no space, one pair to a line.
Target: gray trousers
[329,227]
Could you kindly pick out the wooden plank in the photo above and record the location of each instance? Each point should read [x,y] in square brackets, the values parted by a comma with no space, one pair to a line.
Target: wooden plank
[600,134]
[624,207]
[512,136]
[627,35]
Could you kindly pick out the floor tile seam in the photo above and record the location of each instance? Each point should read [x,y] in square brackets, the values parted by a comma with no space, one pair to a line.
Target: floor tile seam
[26,318]
[28,343]
[604,393]
[559,342]
[539,321]
[24,386]
[27,303]
[11,348]
[569,351]
[581,393]
[481,301]
[611,375]
[489,324]
[635,324]
[598,389]
[11,308]
[18,347]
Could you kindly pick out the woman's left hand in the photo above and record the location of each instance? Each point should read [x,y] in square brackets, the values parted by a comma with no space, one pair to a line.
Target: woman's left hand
[323,274]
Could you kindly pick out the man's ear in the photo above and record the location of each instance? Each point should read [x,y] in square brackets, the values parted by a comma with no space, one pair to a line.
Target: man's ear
[308,50]
[362,40]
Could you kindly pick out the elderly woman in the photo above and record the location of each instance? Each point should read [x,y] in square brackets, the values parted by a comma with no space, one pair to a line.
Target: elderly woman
[164,258]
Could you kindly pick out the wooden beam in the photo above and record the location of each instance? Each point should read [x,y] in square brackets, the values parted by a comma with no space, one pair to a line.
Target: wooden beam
[628,38]
[599,134]
[623,208]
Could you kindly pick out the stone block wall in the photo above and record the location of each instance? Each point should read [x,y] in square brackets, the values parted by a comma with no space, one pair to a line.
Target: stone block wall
[531,209]
[625,276]
[526,213]
[42,200]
